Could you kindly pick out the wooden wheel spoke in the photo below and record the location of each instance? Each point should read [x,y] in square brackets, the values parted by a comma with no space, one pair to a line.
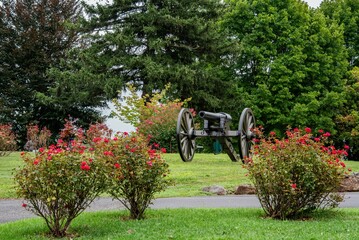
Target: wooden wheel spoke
[246,125]
[185,129]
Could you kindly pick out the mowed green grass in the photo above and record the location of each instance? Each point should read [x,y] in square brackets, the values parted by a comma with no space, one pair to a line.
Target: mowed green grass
[7,166]
[195,224]
[188,177]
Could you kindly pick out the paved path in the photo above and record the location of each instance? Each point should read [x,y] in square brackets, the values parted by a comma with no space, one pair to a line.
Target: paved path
[11,210]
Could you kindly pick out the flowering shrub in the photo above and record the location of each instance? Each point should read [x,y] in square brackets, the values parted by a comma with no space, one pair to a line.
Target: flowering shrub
[7,140]
[136,170]
[297,174]
[58,183]
[97,130]
[154,116]
[71,131]
[37,138]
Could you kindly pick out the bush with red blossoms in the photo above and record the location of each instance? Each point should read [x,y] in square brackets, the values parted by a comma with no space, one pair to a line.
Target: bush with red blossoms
[37,138]
[7,140]
[136,170]
[60,182]
[296,175]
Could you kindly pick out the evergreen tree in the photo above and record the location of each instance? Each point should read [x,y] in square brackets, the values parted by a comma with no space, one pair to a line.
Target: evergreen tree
[33,37]
[290,65]
[152,43]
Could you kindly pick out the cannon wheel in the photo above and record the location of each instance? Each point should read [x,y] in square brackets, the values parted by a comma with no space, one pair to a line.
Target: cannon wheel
[247,123]
[184,135]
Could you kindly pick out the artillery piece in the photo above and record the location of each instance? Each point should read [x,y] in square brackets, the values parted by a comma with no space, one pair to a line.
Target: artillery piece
[216,126]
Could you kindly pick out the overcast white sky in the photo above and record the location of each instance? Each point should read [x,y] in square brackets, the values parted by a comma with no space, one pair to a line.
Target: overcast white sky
[314,3]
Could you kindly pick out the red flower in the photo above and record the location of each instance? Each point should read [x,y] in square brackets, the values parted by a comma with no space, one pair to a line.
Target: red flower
[115,138]
[125,133]
[149,163]
[342,163]
[327,134]
[37,161]
[307,130]
[41,150]
[85,167]
[24,205]
[117,165]
[83,163]
[272,133]
[106,140]
[133,150]
[317,139]
[294,186]
[96,139]
[108,153]
[346,147]
[295,130]
[156,145]
[163,150]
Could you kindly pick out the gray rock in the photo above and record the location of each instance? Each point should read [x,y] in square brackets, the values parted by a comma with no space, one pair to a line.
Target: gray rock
[350,183]
[245,189]
[219,190]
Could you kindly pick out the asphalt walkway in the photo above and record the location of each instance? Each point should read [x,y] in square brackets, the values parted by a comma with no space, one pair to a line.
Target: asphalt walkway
[12,210]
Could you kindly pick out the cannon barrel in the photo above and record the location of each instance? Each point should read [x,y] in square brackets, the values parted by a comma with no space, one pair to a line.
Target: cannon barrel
[215,116]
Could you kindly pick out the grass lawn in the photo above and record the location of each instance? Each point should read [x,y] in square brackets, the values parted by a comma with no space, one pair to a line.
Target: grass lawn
[7,164]
[195,224]
[189,177]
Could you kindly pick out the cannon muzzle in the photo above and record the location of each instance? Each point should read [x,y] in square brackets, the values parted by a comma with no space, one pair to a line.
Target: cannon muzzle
[215,116]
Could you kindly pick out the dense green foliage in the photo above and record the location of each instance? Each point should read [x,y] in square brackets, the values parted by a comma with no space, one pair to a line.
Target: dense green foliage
[34,36]
[151,43]
[291,63]
[345,13]
[348,120]
[286,61]
[296,175]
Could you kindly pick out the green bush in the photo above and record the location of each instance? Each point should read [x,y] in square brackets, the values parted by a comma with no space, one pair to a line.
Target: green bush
[296,175]
[59,183]
[136,170]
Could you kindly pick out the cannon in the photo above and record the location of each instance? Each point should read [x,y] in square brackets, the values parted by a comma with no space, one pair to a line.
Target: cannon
[216,126]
